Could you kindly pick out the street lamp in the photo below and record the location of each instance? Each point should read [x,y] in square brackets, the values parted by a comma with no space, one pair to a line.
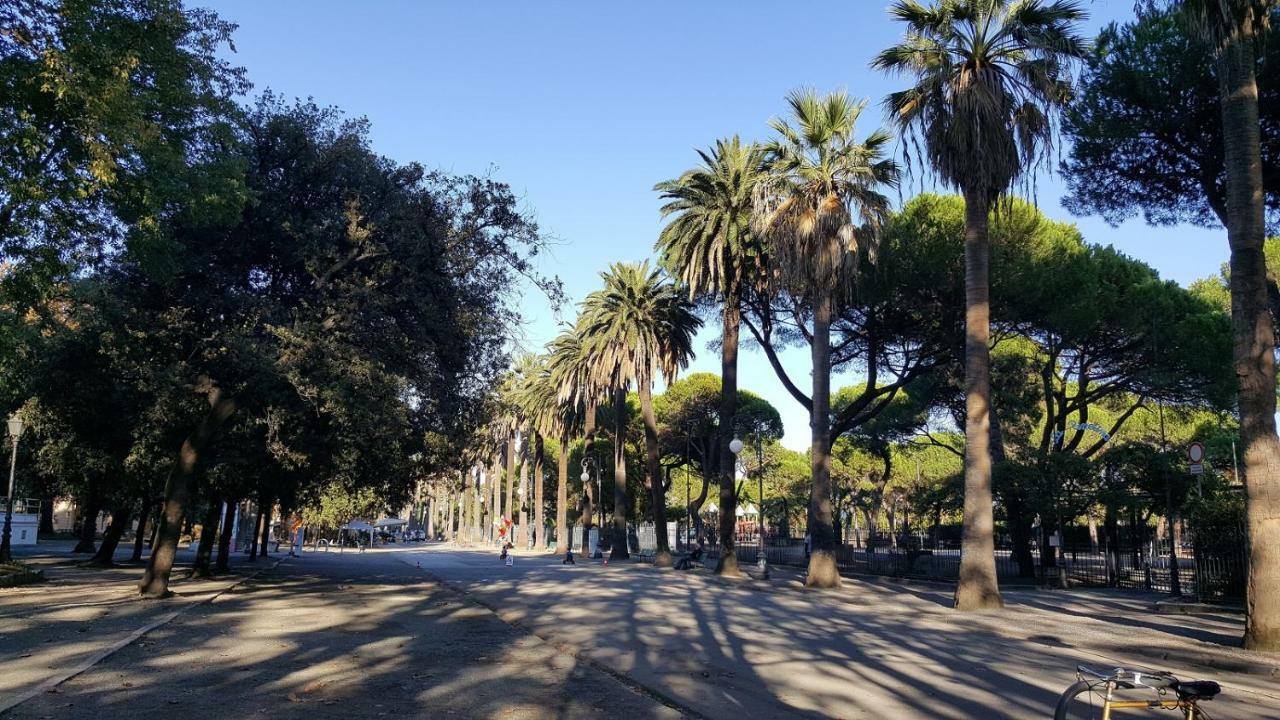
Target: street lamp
[735,447]
[15,429]
[586,478]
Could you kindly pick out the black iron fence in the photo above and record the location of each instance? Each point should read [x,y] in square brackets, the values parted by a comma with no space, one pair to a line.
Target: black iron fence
[1138,561]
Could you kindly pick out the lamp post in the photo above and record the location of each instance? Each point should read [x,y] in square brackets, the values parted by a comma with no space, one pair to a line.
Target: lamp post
[15,430]
[586,478]
[761,561]
[735,447]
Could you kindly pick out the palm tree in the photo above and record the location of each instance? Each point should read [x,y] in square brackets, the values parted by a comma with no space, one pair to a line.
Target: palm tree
[821,211]
[990,76]
[1237,29]
[638,327]
[709,246]
[570,376]
[550,416]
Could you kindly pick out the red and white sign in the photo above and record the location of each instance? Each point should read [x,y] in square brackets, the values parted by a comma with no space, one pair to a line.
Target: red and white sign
[1195,453]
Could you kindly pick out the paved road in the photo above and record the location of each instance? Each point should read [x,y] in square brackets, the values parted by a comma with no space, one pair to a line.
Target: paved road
[347,636]
[438,632]
[870,650]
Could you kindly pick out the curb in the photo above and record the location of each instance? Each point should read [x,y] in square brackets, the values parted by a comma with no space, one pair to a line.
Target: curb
[53,682]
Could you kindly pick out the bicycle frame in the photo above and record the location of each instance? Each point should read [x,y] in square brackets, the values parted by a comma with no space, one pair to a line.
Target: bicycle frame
[1189,709]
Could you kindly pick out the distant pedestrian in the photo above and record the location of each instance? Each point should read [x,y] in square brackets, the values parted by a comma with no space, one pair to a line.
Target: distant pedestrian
[808,545]
[568,558]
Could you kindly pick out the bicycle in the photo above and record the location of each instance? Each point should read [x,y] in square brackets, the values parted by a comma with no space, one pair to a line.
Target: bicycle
[1081,700]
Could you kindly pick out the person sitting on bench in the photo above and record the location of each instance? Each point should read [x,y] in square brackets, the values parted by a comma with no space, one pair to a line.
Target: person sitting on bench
[686,562]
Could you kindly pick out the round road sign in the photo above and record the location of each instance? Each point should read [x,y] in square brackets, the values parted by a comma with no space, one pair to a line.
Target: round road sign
[1195,452]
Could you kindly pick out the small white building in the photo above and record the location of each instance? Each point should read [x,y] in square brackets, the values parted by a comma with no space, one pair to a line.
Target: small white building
[26,520]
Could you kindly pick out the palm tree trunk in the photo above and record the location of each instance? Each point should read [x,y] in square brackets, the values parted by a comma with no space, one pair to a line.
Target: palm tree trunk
[589,499]
[508,509]
[539,498]
[523,496]
[728,562]
[495,510]
[978,587]
[562,496]
[155,580]
[657,491]
[1253,332]
[477,509]
[822,559]
[618,542]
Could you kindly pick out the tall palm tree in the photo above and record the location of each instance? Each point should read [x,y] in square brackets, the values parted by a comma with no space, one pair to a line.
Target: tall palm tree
[821,211]
[990,76]
[1237,29]
[636,328]
[570,375]
[709,246]
[550,417]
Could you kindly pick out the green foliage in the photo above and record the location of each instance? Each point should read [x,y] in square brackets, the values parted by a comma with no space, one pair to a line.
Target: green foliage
[989,76]
[1130,154]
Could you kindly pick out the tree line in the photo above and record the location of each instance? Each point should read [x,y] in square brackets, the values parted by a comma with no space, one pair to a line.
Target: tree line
[208,301]
[795,240]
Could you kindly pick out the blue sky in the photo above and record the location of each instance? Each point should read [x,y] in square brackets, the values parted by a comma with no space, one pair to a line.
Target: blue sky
[583,106]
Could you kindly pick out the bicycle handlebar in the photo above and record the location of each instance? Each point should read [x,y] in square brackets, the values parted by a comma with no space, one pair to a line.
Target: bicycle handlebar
[1157,679]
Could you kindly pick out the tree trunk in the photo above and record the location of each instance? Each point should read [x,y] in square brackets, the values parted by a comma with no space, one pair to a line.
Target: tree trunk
[89,521]
[473,528]
[495,510]
[265,514]
[455,503]
[508,509]
[255,532]
[823,572]
[523,495]
[140,536]
[155,580]
[562,496]
[662,558]
[588,488]
[1020,522]
[223,563]
[732,321]
[208,536]
[46,515]
[111,538]
[1253,332]
[539,497]
[618,542]
[978,586]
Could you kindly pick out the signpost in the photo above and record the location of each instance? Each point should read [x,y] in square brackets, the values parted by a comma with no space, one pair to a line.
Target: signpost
[1195,453]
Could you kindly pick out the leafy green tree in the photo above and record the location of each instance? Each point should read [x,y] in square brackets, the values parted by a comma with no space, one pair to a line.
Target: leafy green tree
[105,109]
[821,212]
[690,428]
[637,328]
[990,75]
[709,246]
[1129,154]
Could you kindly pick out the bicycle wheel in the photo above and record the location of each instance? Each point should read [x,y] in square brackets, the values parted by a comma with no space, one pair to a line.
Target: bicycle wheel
[1081,701]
